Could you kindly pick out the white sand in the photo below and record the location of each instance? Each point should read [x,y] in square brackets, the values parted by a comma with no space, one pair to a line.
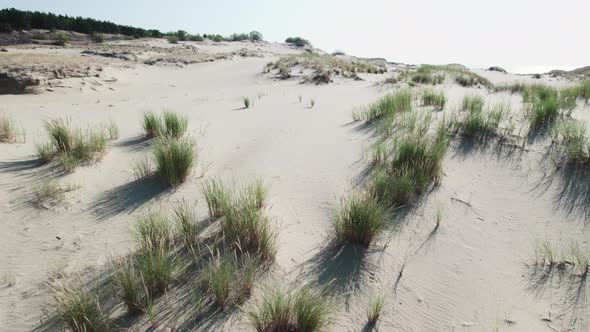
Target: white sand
[468,276]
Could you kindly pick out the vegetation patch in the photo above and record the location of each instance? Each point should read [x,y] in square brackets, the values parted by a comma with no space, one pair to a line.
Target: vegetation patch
[359,218]
[303,309]
[429,97]
[174,159]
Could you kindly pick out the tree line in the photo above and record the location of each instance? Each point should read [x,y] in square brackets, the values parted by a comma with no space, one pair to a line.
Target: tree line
[14,19]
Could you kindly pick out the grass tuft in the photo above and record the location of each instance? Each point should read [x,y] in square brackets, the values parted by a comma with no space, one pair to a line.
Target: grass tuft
[187,226]
[303,309]
[7,129]
[216,196]
[375,309]
[78,308]
[174,160]
[152,125]
[153,232]
[429,97]
[388,106]
[175,125]
[359,218]
[129,285]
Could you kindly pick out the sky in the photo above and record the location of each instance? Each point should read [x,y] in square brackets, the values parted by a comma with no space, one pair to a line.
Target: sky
[520,35]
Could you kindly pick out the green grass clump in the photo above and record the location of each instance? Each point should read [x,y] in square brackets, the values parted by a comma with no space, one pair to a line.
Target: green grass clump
[171,124]
[412,166]
[425,75]
[73,147]
[389,105]
[175,125]
[60,134]
[152,125]
[478,123]
[359,218]
[174,159]
[246,226]
[472,103]
[78,308]
[430,97]
[517,87]
[153,232]
[112,129]
[7,129]
[216,195]
[303,309]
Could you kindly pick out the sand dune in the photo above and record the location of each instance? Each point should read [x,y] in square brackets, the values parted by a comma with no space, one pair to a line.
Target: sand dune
[472,273]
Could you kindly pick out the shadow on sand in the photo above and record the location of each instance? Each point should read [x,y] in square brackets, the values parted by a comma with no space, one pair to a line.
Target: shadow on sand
[126,197]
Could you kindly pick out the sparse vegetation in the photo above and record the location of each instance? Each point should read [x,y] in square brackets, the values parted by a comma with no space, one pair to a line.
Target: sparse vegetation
[112,129]
[174,159]
[129,285]
[7,129]
[304,309]
[171,124]
[573,259]
[73,147]
[388,106]
[229,278]
[359,218]
[375,309]
[246,102]
[311,103]
[153,232]
[50,193]
[187,226]
[572,134]
[142,167]
[477,123]
[216,195]
[78,308]
[429,97]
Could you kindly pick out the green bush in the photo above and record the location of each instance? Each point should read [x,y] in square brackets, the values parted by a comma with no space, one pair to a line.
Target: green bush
[97,38]
[298,41]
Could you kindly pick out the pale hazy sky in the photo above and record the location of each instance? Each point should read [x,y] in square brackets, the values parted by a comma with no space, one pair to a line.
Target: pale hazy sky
[520,35]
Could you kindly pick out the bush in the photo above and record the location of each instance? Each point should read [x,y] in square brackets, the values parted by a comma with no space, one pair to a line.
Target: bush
[256,36]
[172,39]
[196,38]
[358,219]
[181,35]
[174,160]
[299,310]
[61,39]
[298,41]
[97,38]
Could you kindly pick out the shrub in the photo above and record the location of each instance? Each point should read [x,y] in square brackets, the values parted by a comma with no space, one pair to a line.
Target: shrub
[7,129]
[61,39]
[432,98]
[246,102]
[97,38]
[78,308]
[303,309]
[174,160]
[182,35]
[298,41]
[216,196]
[358,219]
[152,125]
[172,39]
[256,36]
[196,38]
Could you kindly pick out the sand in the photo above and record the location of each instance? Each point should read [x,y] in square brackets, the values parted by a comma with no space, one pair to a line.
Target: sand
[469,275]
